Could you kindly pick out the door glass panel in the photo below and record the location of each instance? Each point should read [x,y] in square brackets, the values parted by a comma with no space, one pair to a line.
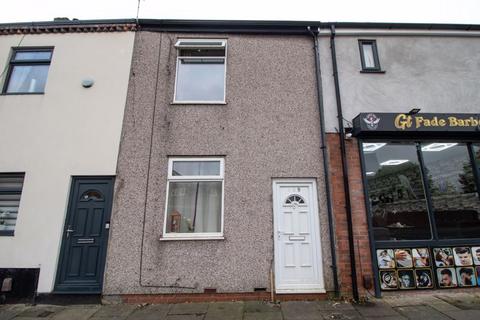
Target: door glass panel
[91,195]
[452,186]
[396,191]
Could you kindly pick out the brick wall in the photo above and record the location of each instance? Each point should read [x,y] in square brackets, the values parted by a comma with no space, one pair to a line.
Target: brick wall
[359,216]
[206,297]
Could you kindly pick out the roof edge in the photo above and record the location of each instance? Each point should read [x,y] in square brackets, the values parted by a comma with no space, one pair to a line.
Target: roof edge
[278,25]
[218,26]
[68,26]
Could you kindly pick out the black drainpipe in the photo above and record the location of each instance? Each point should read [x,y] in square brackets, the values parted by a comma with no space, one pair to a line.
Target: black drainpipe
[346,186]
[318,74]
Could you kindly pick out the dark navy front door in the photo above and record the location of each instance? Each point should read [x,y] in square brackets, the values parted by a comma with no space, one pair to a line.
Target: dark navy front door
[85,235]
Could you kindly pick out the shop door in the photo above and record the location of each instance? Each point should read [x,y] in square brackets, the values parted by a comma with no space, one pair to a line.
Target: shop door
[85,235]
[298,267]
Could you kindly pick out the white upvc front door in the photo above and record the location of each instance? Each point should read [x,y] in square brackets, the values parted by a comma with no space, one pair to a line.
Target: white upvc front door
[298,258]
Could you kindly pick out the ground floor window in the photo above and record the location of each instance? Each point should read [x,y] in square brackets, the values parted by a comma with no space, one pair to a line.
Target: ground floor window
[194,198]
[11,185]
[424,211]
[422,190]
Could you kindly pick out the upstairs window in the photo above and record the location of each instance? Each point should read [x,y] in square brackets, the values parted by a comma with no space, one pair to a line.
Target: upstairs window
[28,70]
[11,185]
[200,71]
[369,56]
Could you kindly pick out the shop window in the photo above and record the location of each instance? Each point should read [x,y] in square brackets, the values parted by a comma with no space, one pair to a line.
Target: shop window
[10,192]
[453,190]
[28,70]
[396,192]
[476,156]
[369,56]
[201,71]
[194,198]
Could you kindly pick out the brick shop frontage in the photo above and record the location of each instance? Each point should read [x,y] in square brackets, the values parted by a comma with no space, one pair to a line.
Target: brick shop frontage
[414,181]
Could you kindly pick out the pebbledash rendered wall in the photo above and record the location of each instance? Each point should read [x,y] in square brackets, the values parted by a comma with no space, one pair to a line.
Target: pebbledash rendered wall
[435,70]
[269,128]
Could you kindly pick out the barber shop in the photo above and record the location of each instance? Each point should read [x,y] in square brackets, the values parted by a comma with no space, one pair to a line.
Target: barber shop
[421,179]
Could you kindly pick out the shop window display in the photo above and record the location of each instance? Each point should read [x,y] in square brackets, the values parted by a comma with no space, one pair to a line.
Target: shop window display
[411,184]
[453,190]
[396,192]
[446,267]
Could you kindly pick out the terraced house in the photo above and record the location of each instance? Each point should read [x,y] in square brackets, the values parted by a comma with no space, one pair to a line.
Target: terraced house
[220,190]
[64,86]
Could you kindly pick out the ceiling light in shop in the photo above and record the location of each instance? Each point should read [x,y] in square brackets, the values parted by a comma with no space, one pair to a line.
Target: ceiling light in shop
[437,146]
[393,162]
[370,147]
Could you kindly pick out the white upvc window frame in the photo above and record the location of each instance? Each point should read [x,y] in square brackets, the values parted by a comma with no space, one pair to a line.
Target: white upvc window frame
[214,178]
[201,44]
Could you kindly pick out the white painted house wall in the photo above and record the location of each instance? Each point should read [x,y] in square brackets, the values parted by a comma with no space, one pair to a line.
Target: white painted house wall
[67,131]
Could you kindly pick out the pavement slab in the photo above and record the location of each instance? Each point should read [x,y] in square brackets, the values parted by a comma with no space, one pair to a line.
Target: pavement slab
[117,312]
[300,310]
[443,306]
[76,312]
[341,315]
[464,314]
[334,305]
[376,310]
[185,317]
[188,308]
[9,311]
[261,306]
[402,301]
[461,300]
[386,318]
[225,311]
[421,312]
[40,311]
[262,316]
[150,312]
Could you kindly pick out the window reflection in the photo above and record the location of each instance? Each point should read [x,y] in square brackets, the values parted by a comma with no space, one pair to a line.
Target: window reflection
[476,155]
[396,191]
[453,190]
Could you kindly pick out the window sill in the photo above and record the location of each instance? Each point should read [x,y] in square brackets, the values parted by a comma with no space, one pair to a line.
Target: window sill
[21,93]
[188,237]
[372,71]
[198,102]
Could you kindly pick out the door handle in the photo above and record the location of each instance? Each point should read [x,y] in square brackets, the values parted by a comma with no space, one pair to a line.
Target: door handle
[69,230]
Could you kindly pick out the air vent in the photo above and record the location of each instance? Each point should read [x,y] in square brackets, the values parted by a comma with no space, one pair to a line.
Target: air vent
[210,290]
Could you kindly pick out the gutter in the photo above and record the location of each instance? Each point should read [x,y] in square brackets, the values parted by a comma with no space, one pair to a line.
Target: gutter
[346,185]
[242,26]
[318,74]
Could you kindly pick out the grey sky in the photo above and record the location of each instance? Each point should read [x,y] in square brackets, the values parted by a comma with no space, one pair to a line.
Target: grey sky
[427,11]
